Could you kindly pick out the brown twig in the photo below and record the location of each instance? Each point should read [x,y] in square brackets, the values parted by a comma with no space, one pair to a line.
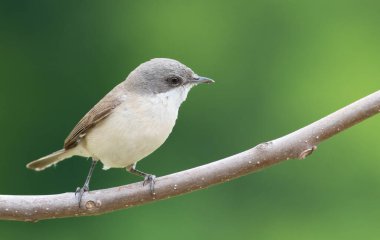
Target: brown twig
[296,145]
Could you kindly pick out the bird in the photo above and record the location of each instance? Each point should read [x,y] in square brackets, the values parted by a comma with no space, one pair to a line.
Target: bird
[130,122]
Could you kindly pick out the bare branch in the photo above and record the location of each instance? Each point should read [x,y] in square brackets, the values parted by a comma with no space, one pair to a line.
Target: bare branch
[297,145]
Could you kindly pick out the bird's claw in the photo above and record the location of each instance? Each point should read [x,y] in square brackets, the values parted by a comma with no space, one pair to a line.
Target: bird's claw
[151,179]
[79,193]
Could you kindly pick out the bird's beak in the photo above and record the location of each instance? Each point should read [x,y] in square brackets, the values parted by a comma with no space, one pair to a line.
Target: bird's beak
[198,79]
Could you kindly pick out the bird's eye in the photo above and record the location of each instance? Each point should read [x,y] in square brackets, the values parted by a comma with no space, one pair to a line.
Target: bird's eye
[174,81]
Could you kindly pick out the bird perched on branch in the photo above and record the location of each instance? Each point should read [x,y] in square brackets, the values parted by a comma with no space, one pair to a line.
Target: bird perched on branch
[131,121]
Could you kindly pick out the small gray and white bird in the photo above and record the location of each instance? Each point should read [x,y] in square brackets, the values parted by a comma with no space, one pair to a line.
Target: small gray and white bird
[131,121]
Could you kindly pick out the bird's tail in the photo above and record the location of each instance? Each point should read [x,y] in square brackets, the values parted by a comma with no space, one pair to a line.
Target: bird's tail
[47,161]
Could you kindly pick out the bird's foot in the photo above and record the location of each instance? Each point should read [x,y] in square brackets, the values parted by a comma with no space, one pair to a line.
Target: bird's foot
[151,180]
[79,193]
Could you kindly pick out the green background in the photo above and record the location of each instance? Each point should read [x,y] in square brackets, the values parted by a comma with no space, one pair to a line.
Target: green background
[278,66]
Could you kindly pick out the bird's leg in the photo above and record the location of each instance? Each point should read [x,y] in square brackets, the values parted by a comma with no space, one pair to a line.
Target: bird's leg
[148,178]
[86,186]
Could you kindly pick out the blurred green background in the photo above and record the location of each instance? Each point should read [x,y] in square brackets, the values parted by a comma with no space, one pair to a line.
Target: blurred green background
[279,65]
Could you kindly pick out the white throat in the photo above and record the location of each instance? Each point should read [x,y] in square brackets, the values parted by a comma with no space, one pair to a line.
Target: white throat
[175,97]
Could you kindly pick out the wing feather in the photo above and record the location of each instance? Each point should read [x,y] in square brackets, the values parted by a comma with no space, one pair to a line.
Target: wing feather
[99,112]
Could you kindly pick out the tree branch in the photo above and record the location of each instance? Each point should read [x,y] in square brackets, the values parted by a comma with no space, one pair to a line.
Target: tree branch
[296,145]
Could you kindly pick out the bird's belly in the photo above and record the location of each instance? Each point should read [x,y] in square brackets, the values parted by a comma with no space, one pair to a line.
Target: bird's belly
[126,137]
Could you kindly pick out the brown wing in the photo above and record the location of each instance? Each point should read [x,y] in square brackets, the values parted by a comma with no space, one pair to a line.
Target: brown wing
[99,112]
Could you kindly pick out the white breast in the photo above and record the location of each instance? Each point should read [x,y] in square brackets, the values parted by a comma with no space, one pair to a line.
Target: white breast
[135,129]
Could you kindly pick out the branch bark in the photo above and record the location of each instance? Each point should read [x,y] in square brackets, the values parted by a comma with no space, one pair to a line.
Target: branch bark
[296,145]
